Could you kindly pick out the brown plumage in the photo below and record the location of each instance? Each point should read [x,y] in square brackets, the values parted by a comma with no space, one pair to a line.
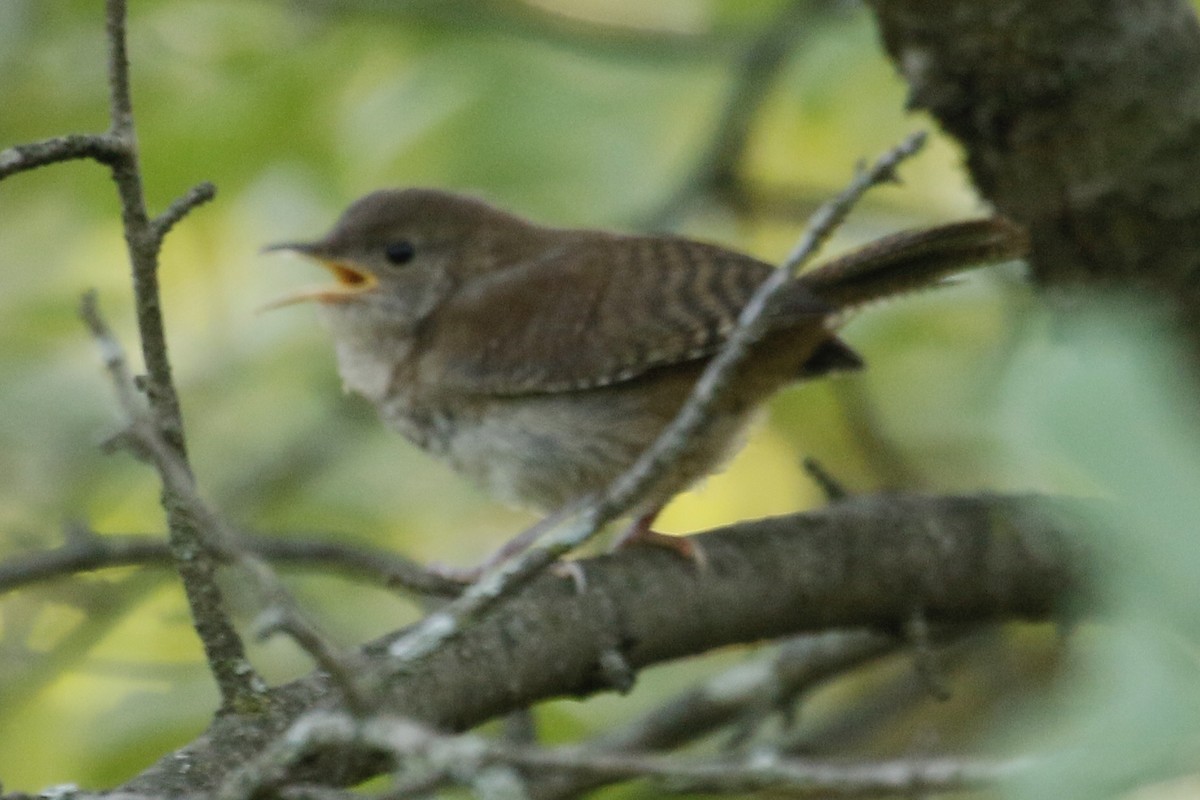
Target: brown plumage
[542,361]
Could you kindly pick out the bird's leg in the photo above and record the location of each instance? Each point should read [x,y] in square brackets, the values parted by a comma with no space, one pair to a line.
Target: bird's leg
[639,532]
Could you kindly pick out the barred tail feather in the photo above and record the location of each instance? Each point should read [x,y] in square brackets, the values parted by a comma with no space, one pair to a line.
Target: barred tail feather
[913,260]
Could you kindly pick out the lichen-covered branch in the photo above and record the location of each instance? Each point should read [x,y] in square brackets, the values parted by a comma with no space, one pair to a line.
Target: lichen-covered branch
[866,562]
[471,761]
[740,697]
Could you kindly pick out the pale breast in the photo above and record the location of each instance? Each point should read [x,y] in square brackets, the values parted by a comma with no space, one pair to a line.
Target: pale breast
[369,357]
[545,451]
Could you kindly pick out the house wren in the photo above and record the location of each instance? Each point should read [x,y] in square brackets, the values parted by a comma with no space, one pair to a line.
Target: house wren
[542,361]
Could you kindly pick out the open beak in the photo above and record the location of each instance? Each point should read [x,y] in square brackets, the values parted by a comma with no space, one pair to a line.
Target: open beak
[350,280]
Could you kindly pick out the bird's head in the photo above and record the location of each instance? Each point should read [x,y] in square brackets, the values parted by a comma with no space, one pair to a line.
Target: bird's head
[395,254]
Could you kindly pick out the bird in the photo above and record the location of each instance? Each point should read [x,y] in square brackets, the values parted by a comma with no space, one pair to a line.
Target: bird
[541,361]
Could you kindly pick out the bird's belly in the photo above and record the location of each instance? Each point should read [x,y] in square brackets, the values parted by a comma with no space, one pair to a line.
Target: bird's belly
[545,451]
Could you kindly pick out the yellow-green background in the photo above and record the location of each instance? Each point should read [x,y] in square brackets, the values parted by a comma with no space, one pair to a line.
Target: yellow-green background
[293,110]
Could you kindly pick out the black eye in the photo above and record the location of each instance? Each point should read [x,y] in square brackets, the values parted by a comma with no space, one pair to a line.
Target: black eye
[400,252]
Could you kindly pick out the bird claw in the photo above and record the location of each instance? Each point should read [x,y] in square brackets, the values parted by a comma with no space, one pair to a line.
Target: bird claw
[640,533]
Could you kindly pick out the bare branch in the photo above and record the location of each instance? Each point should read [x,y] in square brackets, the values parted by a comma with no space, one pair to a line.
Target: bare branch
[236,676]
[830,486]
[88,551]
[974,656]
[81,554]
[782,776]
[438,758]
[739,694]
[284,616]
[120,101]
[752,322]
[239,684]
[196,196]
[118,150]
[100,147]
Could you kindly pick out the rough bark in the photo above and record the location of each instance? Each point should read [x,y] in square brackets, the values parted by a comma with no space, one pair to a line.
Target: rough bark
[1080,119]
[873,561]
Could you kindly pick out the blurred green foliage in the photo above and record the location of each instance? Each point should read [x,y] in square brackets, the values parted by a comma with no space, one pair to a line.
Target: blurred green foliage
[294,109]
[1110,401]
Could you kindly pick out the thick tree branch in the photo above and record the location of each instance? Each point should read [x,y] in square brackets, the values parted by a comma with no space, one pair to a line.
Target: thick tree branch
[1079,120]
[862,563]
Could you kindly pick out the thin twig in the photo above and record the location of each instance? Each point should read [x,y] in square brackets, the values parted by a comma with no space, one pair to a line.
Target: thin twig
[899,694]
[743,693]
[830,486]
[439,758]
[100,147]
[786,777]
[907,777]
[81,554]
[88,551]
[120,101]
[198,195]
[240,685]
[628,488]
[216,539]
[117,149]
[283,616]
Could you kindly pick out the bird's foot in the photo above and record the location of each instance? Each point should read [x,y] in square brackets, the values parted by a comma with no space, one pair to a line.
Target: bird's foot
[639,532]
